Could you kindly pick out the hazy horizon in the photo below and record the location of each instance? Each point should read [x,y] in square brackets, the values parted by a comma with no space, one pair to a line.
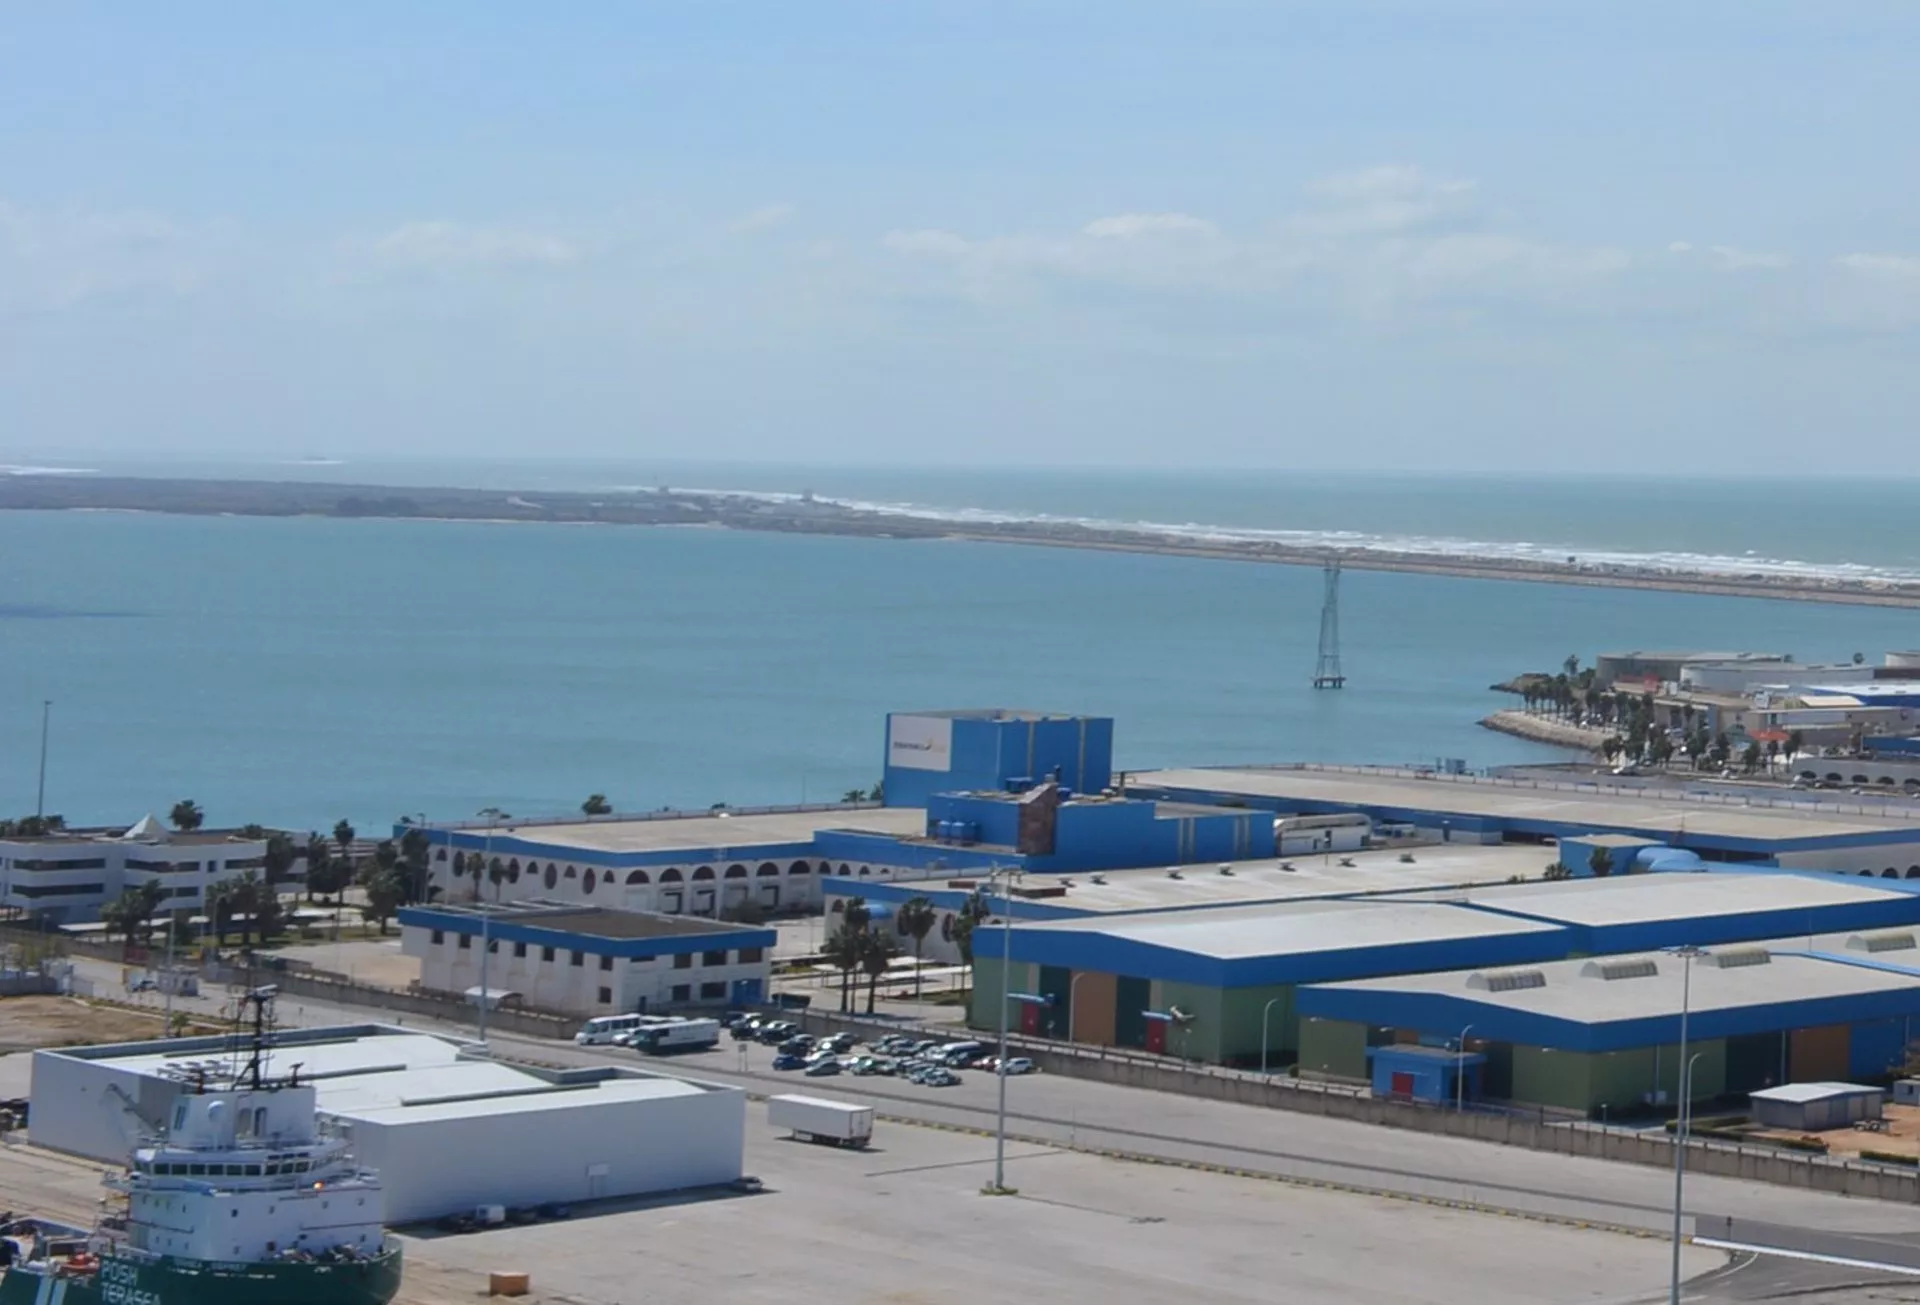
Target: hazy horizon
[1472,237]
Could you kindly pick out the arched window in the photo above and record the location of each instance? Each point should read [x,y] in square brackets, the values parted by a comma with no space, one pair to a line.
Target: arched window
[671,875]
[1913,872]
[704,872]
[799,868]
[867,870]
[552,875]
[586,884]
[573,872]
[845,869]
[513,871]
[637,877]
[440,855]
[1867,873]
[736,872]
[768,870]
[1888,873]
[946,926]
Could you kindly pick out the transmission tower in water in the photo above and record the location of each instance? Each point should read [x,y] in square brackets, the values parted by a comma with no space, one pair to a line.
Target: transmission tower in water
[1326,671]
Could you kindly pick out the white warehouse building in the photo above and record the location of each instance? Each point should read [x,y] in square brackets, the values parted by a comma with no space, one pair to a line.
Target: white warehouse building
[66,876]
[446,1130]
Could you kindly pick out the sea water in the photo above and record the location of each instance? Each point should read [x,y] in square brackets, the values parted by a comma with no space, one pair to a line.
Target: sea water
[295,671]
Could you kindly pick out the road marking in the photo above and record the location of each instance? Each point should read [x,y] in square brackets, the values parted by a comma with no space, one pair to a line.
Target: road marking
[1715,1243]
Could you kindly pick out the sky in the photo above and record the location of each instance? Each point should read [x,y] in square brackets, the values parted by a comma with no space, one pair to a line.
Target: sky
[1463,235]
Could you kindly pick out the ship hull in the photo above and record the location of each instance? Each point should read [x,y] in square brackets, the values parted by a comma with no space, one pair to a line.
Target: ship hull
[191,1282]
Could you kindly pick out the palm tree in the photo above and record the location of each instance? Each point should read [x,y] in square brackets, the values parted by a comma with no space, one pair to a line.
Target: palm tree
[415,851]
[858,914]
[245,892]
[1600,862]
[842,951]
[1796,743]
[278,859]
[917,918]
[384,889]
[877,950]
[343,835]
[186,815]
[597,805]
[496,875]
[219,904]
[853,795]
[971,913]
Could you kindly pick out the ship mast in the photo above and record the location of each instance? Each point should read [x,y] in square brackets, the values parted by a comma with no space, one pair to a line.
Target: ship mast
[260,1001]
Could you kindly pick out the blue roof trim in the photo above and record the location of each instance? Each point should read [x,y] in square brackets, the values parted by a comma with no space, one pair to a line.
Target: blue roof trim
[424,917]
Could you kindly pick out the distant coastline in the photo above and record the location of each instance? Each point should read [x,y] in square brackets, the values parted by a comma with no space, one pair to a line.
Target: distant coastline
[802,515]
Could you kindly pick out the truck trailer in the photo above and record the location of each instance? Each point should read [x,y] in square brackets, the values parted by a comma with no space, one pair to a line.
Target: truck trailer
[680,1035]
[816,1119]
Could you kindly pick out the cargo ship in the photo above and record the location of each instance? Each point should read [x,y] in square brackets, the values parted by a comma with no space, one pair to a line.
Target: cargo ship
[245,1198]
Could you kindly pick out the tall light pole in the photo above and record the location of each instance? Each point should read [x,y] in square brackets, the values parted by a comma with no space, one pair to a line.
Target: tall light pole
[494,816]
[40,802]
[1073,1004]
[1264,1012]
[1006,1000]
[1686,955]
[1460,1073]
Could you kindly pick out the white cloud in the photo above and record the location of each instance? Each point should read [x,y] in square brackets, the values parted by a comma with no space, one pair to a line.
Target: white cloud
[1736,260]
[1883,267]
[57,259]
[1386,199]
[943,243]
[1680,247]
[761,219]
[1128,226]
[451,246]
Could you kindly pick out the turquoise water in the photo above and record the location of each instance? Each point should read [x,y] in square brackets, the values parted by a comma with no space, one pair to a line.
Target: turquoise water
[295,671]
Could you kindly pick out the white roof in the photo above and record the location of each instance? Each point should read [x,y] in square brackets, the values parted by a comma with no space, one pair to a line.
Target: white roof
[1801,1093]
[148,827]
[1575,990]
[708,833]
[1291,927]
[606,1092]
[1630,899]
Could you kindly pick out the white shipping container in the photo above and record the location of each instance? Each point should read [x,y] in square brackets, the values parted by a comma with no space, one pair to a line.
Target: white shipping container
[816,1119]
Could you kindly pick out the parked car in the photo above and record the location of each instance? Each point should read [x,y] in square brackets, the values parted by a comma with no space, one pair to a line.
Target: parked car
[774,1032]
[841,1042]
[745,1031]
[825,1067]
[938,1077]
[797,1045]
[1016,1065]
[786,1060]
[864,1066]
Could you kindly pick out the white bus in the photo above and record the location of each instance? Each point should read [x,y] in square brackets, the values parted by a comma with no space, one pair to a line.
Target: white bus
[603,1029]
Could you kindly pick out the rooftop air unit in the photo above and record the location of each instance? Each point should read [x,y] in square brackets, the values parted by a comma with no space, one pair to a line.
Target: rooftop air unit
[1507,980]
[1624,967]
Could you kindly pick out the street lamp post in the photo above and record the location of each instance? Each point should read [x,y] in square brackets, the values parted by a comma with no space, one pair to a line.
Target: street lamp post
[1685,1086]
[40,802]
[1073,1004]
[1265,1011]
[1460,1073]
[494,815]
[1006,1000]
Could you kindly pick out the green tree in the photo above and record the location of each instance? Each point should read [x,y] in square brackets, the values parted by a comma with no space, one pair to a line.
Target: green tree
[965,921]
[385,891]
[917,917]
[853,795]
[597,805]
[1796,744]
[1600,862]
[877,950]
[187,815]
[1750,758]
[343,834]
[496,875]
[327,874]
[1572,665]
[842,951]
[858,915]
[416,853]
[277,861]
[220,910]
[253,832]
[132,911]
[246,893]
[878,793]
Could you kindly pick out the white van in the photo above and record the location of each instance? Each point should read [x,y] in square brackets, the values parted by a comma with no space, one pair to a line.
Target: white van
[956,1054]
[603,1029]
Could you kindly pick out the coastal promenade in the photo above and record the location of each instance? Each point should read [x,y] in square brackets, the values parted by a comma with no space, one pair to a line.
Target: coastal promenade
[824,517]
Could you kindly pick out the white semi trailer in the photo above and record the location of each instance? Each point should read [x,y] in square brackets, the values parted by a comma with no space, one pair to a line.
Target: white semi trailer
[816,1119]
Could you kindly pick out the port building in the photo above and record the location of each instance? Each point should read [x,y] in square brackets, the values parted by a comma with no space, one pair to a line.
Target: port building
[1224,985]
[64,877]
[587,961]
[1601,1034]
[447,1130]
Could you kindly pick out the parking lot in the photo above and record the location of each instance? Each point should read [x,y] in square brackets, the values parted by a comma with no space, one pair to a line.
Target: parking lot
[905,1222]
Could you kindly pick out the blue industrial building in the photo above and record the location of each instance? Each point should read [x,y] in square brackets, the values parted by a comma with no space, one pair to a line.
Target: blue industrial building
[933,752]
[1602,1034]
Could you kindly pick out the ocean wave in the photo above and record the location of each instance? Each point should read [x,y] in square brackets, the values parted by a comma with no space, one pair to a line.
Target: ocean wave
[14,469]
[1488,550]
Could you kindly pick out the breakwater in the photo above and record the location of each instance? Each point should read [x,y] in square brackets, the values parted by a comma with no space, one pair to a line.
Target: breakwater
[803,515]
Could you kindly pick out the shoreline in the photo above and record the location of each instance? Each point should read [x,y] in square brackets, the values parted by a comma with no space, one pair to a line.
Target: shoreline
[1539,729]
[735,511]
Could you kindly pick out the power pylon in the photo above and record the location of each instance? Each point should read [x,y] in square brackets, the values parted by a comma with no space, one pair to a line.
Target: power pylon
[1326,671]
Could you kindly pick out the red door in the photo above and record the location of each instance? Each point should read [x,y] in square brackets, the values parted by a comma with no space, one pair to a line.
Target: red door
[1030,1017]
[1402,1085]
[1157,1037]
